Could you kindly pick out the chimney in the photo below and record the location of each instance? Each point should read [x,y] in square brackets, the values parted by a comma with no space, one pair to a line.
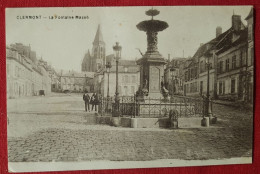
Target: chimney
[236,22]
[218,31]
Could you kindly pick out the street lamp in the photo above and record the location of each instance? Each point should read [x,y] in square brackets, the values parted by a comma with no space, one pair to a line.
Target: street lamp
[207,100]
[117,53]
[108,66]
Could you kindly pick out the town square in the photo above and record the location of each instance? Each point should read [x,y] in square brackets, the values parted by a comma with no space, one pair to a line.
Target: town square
[46,134]
[134,90]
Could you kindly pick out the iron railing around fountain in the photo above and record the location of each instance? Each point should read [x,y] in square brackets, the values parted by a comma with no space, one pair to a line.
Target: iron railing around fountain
[131,106]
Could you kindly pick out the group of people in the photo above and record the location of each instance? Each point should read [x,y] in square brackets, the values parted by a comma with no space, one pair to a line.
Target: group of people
[93,100]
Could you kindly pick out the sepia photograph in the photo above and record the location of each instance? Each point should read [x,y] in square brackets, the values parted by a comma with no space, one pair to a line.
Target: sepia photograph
[92,88]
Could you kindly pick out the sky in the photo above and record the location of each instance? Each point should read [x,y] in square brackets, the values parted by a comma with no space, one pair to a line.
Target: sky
[64,42]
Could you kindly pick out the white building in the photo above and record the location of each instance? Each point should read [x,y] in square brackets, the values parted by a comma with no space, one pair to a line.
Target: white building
[128,79]
[24,77]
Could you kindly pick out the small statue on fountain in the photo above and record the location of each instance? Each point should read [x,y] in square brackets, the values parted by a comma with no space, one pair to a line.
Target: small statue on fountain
[145,88]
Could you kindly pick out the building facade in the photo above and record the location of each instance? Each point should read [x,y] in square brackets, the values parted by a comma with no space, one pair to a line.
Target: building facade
[25,77]
[224,58]
[231,55]
[250,58]
[76,82]
[128,79]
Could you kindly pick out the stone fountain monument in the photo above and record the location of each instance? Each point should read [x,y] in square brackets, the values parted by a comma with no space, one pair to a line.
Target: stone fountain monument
[152,63]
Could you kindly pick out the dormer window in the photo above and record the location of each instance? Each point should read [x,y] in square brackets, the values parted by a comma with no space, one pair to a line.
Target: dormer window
[234,37]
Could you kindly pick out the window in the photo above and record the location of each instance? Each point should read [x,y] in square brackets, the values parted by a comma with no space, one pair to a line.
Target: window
[233,86]
[221,66]
[133,79]
[227,64]
[126,79]
[186,76]
[126,90]
[132,89]
[191,73]
[221,87]
[193,87]
[126,69]
[241,59]
[234,61]
[201,66]
[195,72]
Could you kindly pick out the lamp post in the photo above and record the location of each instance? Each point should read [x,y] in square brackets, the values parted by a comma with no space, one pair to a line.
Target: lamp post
[207,100]
[108,66]
[117,53]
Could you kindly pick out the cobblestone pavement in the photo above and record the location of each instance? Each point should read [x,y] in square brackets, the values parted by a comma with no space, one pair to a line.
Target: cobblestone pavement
[58,129]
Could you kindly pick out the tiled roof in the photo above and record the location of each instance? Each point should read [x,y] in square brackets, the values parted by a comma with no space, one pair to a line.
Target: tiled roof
[122,61]
[250,15]
[129,66]
[206,48]
[77,74]
[128,69]
[228,42]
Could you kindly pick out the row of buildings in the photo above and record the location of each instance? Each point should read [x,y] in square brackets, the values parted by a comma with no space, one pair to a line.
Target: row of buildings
[26,75]
[228,59]
[72,81]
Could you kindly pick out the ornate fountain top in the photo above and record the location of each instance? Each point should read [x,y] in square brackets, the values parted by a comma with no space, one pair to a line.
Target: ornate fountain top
[152,25]
[152,12]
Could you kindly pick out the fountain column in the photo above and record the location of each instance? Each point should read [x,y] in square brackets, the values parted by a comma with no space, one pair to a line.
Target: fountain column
[152,63]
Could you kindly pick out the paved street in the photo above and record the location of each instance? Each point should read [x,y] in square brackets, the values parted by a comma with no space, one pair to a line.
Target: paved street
[56,128]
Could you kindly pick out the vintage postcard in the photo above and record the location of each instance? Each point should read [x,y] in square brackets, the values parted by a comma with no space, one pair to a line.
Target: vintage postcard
[129,87]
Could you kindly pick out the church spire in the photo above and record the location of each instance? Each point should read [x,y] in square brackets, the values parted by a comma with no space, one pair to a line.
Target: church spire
[99,37]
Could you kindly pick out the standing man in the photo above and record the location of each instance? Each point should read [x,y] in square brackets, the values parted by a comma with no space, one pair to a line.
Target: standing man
[94,101]
[86,98]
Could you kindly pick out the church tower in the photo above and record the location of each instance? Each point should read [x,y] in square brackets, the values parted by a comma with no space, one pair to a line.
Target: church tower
[97,59]
[98,51]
